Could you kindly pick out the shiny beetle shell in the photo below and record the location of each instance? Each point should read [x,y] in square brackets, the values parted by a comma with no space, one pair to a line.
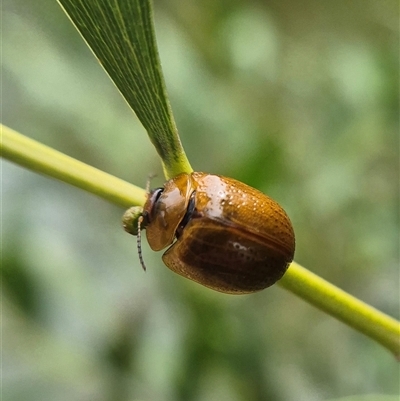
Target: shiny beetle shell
[225,235]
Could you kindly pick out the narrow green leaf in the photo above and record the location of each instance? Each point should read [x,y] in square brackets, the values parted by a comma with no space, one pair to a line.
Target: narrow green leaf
[121,35]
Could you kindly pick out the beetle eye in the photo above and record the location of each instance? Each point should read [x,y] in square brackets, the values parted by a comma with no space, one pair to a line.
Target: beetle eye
[153,197]
[155,194]
[188,215]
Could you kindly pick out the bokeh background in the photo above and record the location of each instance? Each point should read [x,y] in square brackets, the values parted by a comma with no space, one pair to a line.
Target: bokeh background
[299,99]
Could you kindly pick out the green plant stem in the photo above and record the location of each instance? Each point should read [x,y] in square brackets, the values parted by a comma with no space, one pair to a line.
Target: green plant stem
[338,303]
[313,289]
[43,159]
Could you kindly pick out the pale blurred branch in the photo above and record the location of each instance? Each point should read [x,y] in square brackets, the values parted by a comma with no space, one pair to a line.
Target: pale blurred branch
[45,160]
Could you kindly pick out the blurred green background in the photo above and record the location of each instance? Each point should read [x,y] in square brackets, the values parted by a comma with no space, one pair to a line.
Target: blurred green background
[299,99]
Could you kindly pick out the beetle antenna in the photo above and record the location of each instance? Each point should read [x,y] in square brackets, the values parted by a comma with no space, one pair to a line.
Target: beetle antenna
[149,178]
[139,243]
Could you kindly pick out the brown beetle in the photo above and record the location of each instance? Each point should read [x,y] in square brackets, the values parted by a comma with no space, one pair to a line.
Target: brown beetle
[224,234]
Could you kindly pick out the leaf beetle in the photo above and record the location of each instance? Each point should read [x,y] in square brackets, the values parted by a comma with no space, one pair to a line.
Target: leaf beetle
[221,232]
